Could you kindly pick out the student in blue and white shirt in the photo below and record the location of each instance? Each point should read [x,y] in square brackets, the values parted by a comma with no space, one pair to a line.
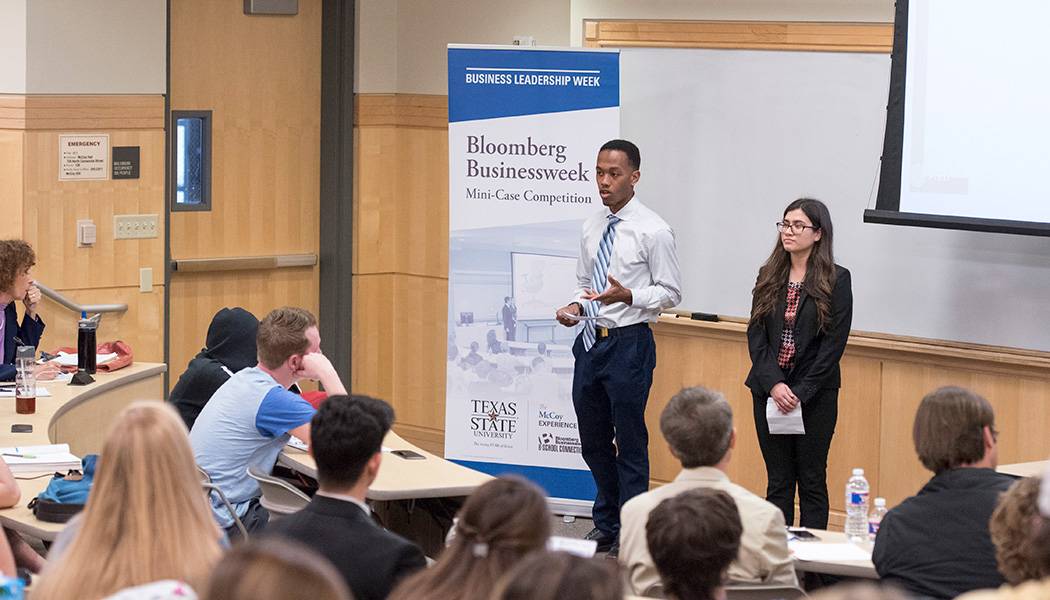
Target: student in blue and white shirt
[250,418]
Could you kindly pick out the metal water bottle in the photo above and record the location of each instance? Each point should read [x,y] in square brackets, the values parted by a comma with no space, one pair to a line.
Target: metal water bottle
[87,349]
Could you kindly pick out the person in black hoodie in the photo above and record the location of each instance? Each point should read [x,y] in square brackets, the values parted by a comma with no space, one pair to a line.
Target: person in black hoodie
[229,348]
[936,544]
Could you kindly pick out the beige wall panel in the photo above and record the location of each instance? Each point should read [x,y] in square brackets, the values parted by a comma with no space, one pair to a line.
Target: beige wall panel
[401,212]
[1021,417]
[11,183]
[142,326]
[400,335]
[195,298]
[261,78]
[52,208]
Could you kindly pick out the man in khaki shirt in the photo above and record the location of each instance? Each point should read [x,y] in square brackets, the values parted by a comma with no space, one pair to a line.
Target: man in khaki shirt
[698,427]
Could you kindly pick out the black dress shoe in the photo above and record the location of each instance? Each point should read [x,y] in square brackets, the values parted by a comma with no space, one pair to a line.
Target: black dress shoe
[605,541]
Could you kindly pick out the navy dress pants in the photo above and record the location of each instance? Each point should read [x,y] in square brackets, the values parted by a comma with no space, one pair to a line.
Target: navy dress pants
[610,389]
[800,460]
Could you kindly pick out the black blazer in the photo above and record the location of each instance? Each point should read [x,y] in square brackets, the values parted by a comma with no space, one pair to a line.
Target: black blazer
[371,559]
[817,353]
[29,332]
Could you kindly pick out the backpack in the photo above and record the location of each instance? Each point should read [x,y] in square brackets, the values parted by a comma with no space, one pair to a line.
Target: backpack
[66,494]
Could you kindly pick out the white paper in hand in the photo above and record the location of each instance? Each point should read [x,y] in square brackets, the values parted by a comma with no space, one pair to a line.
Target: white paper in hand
[577,318]
[784,424]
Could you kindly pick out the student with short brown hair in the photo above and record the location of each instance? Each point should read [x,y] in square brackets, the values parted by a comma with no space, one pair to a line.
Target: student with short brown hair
[693,537]
[16,285]
[251,417]
[936,543]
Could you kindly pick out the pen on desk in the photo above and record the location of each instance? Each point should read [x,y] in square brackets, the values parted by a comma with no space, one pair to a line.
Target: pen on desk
[29,456]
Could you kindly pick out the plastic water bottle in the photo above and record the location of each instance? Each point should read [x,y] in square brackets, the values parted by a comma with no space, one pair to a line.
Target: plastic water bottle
[875,519]
[857,490]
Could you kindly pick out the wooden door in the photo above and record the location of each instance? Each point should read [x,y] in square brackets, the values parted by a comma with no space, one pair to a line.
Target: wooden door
[260,76]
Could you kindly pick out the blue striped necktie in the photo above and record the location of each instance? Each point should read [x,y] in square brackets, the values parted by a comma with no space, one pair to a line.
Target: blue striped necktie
[599,280]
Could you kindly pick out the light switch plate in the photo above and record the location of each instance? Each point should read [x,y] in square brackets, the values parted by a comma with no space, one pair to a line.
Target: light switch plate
[146,279]
[132,227]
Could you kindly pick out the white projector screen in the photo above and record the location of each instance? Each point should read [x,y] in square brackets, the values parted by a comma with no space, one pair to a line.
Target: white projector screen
[972,131]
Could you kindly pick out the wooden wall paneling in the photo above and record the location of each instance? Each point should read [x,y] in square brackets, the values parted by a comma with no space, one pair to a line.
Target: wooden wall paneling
[11,157]
[195,298]
[52,208]
[261,78]
[401,208]
[400,335]
[142,326]
[757,35]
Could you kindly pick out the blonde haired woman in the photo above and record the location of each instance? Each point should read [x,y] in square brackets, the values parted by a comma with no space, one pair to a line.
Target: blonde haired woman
[146,519]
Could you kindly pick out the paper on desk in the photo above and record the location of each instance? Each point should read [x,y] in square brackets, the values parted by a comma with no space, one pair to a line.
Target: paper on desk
[831,552]
[781,424]
[298,444]
[584,548]
[9,392]
[70,360]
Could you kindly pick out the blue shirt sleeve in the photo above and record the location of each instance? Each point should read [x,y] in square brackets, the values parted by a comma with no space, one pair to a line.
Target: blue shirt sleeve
[281,411]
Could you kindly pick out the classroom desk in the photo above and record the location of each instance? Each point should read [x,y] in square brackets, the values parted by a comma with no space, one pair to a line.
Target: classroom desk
[403,479]
[845,568]
[74,415]
[1025,469]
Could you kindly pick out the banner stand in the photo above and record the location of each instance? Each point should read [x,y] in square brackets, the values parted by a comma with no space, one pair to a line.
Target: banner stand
[525,126]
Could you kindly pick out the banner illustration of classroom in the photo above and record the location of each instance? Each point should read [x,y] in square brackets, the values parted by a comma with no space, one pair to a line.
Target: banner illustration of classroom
[524,130]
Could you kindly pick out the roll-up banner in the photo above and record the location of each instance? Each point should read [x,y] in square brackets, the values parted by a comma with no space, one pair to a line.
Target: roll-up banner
[525,126]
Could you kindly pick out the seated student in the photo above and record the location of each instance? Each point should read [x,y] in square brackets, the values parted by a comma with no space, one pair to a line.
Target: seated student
[346,440]
[936,543]
[146,519]
[229,347]
[275,569]
[250,418]
[21,553]
[501,522]
[16,283]
[1022,540]
[698,426]
[561,576]
[693,537]
[1013,526]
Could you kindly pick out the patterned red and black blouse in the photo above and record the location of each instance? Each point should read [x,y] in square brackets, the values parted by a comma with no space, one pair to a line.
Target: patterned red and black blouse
[786,356]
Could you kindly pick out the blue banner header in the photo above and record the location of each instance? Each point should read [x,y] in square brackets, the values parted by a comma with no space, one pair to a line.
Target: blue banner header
[490,83]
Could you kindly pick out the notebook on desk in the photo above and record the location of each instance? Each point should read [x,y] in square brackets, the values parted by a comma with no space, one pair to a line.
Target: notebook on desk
[40,459]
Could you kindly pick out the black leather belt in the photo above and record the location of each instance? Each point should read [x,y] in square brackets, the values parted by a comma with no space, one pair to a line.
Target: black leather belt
[604,332]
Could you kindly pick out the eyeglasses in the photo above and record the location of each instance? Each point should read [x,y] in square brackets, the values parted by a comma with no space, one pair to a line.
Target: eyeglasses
[797,227]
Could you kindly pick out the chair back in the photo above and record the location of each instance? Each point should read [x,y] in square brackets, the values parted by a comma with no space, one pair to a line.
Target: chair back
[764,592]
[278,496]
[209,489]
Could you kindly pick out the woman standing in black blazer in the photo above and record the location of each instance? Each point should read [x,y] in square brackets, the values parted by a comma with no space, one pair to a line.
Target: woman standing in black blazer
[801,311]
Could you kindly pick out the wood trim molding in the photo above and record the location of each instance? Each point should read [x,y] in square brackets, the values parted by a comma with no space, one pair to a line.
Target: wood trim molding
[747,35]
[45,112]
[401,110]
[975,357]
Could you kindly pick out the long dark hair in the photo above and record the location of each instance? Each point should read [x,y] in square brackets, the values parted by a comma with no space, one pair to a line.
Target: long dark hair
[820,270]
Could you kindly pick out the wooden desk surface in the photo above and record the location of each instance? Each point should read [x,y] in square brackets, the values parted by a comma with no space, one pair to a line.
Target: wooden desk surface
[846,568]
[1025,469]
[74,415]
[403,479]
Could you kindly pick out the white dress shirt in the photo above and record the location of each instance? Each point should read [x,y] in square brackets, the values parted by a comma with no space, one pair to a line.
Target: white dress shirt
[345,498]
[644,260]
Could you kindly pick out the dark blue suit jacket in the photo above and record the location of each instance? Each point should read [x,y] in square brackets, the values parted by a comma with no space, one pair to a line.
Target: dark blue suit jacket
[29,332]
